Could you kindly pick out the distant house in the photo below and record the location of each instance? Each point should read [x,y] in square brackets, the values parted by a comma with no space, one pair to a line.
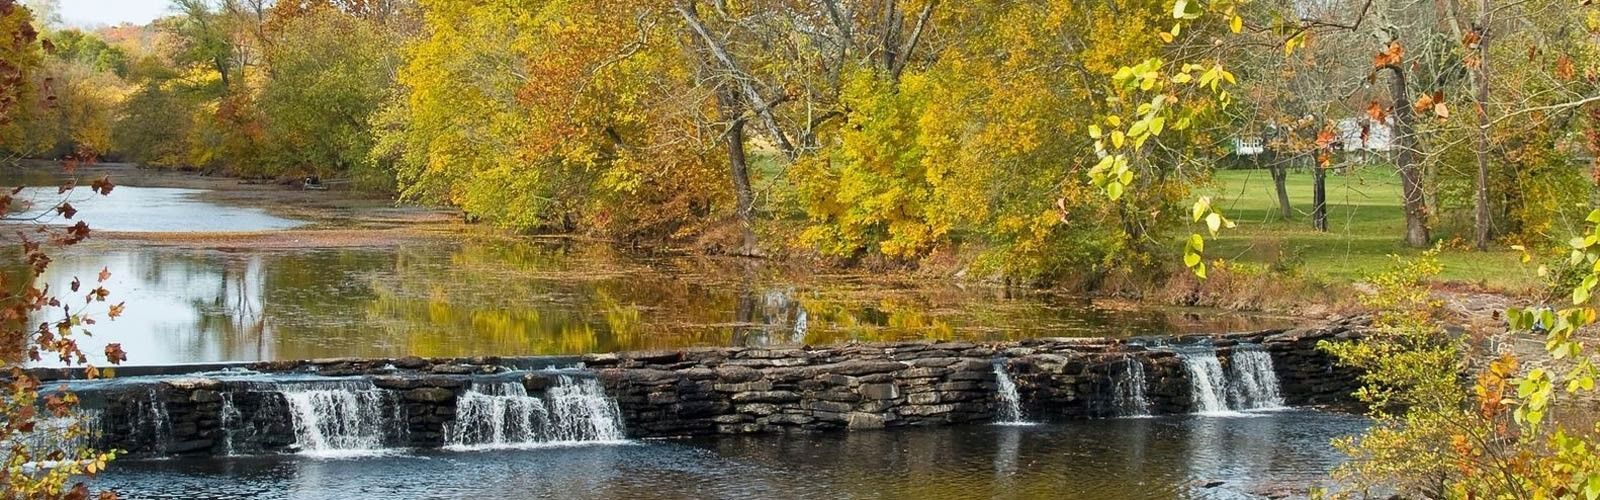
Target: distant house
[1349,137]
[1248,146]
[1379,137]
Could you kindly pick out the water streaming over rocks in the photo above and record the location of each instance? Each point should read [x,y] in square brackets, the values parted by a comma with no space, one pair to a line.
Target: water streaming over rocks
[1010,410]
[501,415]
[1252,385]
[1248,384]
[151,421]
[349,418]
[1129,398]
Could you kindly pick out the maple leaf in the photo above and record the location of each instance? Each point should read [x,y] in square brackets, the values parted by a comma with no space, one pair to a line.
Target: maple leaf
[116,310]
[66,210]
[115,354]
[1390,56]
[105,274]
[1377,112]
[103,185]
[1423,104]
[1325,138]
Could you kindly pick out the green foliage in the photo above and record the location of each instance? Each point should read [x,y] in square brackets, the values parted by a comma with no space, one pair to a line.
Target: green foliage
[329,74]
[969,151]
[89,49]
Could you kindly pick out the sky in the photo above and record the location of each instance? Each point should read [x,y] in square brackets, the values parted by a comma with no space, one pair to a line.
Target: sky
[88,13]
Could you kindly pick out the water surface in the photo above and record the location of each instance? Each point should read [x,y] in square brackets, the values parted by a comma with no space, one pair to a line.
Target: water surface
[150,209]
[1118,459]
[529,298]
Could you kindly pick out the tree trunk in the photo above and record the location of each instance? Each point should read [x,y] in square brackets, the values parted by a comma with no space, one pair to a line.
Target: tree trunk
[739,170]
[1480,80]
[1280,181]
[1405,158]
[1319,197]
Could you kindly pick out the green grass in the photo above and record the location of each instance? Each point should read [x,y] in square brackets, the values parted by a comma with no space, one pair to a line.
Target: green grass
[1365,226]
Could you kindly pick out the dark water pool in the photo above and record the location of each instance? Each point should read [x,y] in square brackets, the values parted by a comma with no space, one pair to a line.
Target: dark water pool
[1145,458]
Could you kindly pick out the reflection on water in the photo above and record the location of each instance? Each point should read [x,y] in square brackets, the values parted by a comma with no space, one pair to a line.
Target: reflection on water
[145,209]
[507,298]
[1146,458]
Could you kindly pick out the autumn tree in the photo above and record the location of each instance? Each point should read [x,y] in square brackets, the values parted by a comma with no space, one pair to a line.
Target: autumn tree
[37,321]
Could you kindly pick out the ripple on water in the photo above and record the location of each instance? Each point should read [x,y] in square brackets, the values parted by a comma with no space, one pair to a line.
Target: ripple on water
[1113,459]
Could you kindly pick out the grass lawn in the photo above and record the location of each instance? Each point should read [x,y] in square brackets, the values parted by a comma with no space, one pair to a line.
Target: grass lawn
[1365,226]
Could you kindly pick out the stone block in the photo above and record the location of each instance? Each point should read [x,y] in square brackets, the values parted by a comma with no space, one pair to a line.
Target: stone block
[766,397]
[879,391]
[862,367]
[430,395]
[759,385]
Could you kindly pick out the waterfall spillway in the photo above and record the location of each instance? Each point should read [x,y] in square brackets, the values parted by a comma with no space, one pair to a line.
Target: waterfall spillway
[348,418]
[1009,411]
[152,422]
[1207,383]
[497,415]
[1249,384]
[1253,383]
[1128,390]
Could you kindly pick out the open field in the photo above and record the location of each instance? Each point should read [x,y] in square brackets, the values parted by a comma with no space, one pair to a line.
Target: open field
[1365,226]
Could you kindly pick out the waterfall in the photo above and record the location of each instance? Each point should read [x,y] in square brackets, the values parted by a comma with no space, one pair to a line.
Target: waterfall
[498,415]
[151,420]
[230,422]
[1248,384]
[1253,384]
[1010,410]
[1207,383]
[351,418]
[1128,398]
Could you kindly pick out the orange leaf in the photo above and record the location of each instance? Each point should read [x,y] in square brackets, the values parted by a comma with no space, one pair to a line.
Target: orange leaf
[1325,138]
[105,274]
[1377,112]
[1564,67]
[1423,104]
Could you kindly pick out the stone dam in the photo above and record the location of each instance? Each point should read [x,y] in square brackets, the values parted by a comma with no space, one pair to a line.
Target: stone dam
[342,406]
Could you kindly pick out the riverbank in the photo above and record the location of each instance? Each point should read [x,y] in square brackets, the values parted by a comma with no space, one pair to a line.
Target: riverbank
[337,219]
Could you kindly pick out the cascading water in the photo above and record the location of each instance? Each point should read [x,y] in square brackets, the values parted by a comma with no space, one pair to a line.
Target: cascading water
[581,411]
[230,420]
[498,415]
[1253,384]
[1128,397]
[152,422]
[1249,384]
[1208,389]
[1010,410]
[350,418]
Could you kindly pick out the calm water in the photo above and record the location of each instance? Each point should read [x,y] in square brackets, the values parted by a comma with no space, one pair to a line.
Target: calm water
[1149,458]
[143,209]
[523,298]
